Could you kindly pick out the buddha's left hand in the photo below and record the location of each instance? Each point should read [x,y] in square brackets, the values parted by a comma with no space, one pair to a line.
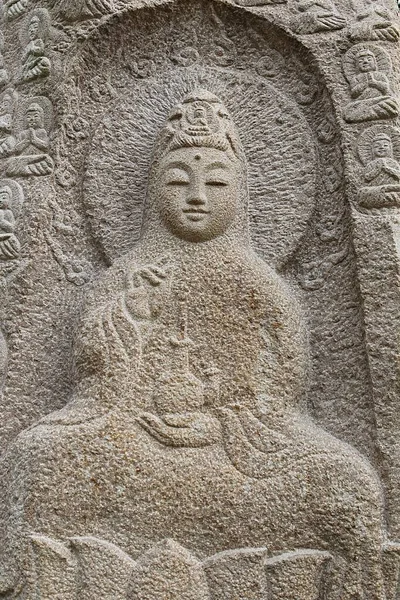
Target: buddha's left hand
[190,430]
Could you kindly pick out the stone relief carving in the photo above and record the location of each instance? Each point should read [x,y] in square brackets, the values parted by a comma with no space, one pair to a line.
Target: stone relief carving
[3,360]
[220,49]
[316,16]
[61,233]
[330,231]
[3,71]
[11,199]
[366,68]
[31,157]
[8,105]
[35,64]
[80,10]
[374,22]
[88,566]
[379,151]
[15,8]
[249,446]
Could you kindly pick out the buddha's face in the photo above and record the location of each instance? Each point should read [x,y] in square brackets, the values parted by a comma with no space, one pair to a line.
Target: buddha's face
[382,148]
[33,117]
[366,62]
[33,28]
[197,192]
[4,198]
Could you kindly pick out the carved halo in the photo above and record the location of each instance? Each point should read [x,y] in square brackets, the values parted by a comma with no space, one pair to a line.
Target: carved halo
[17,193]
[277,142]
[367,137]
[350,67]
[11,96]
[44,25]
[44,103]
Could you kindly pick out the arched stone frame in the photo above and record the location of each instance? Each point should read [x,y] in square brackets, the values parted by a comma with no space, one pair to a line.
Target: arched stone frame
[324,259]
[346,405]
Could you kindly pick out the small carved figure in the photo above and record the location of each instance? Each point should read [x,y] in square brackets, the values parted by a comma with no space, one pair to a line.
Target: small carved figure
[366,69]
[32,144]
[35,64]
[7,108]
[317,15]
[315,273]
[379,151]
[374,22]
[9,244]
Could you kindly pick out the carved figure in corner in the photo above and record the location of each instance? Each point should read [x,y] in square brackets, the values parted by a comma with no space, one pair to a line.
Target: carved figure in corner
[374,22]
[35,64]
[32,145]
[249,458]
[366,69]
[379,151]
[316,16]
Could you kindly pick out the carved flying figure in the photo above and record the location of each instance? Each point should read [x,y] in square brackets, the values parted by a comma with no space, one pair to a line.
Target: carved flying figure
[317,16]
[366,70]
[374,22]
[35,64]
[378,149]
[186,421]
[31,146]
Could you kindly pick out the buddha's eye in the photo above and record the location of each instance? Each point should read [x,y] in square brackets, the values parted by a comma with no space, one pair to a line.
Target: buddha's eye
[217,182]
[177,177]
[177,182]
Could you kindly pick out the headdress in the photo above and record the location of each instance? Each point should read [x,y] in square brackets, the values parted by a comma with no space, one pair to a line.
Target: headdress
[200,120]
[365,52]
[382,136]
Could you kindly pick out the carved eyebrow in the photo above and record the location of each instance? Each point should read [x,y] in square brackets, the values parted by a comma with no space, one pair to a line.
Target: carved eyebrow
[216,165]
[176,165]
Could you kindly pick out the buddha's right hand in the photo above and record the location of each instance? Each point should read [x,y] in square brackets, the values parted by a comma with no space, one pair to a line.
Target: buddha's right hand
[182,430]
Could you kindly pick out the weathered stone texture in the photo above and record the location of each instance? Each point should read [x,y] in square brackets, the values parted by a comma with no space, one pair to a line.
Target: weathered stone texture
[199,300]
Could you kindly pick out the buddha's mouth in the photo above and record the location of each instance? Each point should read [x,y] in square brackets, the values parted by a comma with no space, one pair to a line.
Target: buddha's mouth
[195,214]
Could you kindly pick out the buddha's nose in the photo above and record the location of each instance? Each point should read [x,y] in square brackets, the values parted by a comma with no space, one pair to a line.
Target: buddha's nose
[197,194]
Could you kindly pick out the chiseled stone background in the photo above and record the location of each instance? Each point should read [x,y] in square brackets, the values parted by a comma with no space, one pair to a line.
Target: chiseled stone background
[102,500]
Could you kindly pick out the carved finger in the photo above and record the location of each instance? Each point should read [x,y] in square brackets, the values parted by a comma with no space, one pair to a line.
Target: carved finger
[150,276]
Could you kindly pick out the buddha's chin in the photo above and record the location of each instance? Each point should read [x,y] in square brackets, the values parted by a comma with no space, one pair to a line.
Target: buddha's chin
[195,228]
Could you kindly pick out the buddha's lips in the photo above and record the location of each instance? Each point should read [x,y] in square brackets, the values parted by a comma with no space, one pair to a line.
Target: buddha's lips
[195,213]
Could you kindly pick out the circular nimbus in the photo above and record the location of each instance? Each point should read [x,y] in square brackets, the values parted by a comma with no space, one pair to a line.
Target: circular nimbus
[350,60]
[45,105]
[366,140]
[43,18]
[17,194]
[277,142]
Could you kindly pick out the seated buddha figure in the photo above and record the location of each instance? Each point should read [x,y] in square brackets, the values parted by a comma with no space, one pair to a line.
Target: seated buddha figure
[370,89]
[186,421]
